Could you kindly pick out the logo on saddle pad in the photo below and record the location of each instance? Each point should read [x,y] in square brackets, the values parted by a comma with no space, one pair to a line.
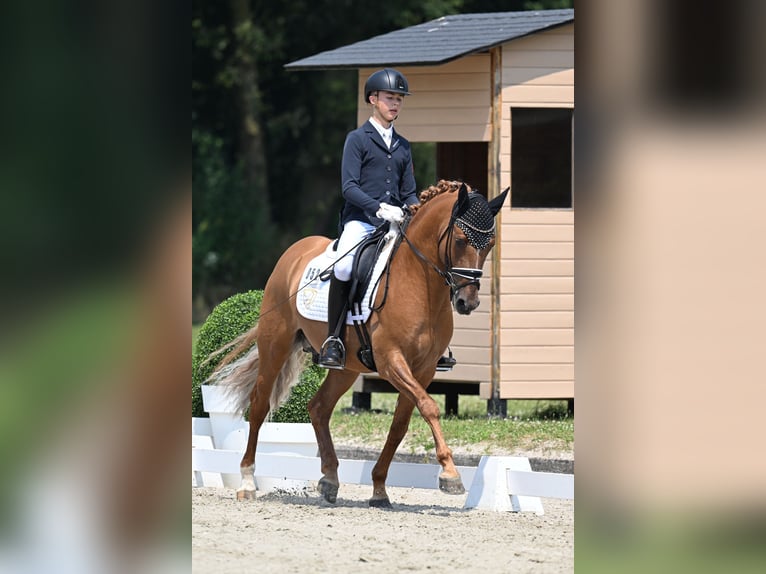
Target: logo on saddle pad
[314,287]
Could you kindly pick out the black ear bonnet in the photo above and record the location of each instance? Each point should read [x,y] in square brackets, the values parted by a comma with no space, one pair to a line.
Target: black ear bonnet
[477,221]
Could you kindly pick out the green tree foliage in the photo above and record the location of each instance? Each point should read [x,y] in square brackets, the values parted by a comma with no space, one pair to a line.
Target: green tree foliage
[229,319]
[266,143]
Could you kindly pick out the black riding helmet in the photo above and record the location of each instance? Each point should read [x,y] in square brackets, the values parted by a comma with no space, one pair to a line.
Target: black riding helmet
[388,80]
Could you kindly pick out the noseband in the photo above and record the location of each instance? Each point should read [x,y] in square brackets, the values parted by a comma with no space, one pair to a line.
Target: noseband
[478,224]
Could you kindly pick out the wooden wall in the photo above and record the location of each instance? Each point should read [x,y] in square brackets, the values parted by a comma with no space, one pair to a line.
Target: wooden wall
[538,70]
[449,103]
[537,245]
[537,304]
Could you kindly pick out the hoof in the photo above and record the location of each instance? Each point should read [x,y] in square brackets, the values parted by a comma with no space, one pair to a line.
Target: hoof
[245,495]
[328,490]
[451,485]
[380,503]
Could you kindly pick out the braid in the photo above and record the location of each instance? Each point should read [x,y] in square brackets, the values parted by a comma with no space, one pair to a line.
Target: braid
[442,186]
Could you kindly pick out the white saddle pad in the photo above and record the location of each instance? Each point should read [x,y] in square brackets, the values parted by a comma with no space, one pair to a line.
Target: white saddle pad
[311,299]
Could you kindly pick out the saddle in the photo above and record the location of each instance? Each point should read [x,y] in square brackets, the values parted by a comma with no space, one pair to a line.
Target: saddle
[361,274]
[371,264]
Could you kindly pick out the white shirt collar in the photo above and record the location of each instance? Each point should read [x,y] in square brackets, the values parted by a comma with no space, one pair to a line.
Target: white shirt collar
[385,133]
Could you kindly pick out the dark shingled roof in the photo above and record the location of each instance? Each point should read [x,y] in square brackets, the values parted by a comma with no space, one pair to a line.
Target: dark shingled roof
[438,41]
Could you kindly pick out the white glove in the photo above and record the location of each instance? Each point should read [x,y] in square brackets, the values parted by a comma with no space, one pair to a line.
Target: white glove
[390,213]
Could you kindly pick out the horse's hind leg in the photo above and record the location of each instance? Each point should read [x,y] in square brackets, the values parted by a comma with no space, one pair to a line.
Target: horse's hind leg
[259,408]
[320,409]
[399,426]
[275,348]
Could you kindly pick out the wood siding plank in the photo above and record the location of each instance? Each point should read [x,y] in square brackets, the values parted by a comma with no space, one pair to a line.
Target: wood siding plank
[536,389]
[537,285]
[538,372]
[537,268]
[537,319]
[538,216]
[532,337]
[537,250]
[555,59]
[453,133]
[468,373]
[478,320]
[552,104]
[471,355]
[453,99]
[469,63]
[468,337]
[537,302]
[539,76]
[445,117]
[562,232]
[541,354]
[537,96]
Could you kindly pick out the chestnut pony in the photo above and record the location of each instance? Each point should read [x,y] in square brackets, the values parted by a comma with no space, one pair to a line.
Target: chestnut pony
[436,267]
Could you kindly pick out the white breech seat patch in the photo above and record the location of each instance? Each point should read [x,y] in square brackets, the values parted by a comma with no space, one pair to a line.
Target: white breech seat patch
[313,293]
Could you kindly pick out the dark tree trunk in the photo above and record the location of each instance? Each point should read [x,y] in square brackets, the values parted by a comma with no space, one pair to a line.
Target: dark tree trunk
[251,136]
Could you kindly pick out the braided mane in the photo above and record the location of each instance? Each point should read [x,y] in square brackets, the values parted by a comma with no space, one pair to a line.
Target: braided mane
[442,186]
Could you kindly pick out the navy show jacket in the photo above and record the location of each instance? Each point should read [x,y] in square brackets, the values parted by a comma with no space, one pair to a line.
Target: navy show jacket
[371,174]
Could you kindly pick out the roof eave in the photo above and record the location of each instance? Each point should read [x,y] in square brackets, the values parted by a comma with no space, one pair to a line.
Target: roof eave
[298,67]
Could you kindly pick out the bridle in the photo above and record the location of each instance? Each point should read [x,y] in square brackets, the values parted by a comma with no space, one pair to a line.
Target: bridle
[477,238]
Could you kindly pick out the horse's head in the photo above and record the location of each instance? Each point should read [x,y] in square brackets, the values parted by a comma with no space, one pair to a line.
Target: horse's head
[468,238]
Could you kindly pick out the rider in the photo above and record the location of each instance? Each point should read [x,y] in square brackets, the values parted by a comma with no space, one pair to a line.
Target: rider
[377,178]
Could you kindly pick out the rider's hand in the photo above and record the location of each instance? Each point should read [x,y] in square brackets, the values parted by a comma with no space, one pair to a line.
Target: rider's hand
[390,213]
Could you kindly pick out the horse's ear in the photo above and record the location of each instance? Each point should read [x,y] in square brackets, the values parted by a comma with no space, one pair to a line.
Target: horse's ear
[462,204]
[497,203]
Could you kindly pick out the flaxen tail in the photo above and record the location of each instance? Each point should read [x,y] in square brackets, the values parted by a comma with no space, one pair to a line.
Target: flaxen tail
[238,371]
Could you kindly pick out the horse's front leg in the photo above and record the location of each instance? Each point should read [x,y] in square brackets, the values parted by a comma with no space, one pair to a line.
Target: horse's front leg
[449,478]
[320,410]
[399,426]
[398,373]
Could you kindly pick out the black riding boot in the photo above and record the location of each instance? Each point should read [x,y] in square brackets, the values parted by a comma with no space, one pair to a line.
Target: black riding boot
[333,353]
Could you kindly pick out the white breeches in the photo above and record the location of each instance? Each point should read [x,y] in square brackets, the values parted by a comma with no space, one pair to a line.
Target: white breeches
[353,233]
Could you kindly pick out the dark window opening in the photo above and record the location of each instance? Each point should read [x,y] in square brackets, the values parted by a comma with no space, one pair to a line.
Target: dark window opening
[541,157]
[463,161]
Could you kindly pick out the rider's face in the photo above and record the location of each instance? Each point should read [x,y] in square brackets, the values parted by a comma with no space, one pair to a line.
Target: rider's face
[386,105]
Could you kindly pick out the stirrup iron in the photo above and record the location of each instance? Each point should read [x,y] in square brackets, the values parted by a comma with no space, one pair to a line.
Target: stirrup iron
[332,354]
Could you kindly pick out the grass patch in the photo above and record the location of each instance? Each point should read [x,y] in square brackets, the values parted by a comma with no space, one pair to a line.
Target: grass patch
[532,425]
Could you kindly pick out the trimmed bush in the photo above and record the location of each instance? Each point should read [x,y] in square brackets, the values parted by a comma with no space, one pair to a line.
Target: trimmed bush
[227,321]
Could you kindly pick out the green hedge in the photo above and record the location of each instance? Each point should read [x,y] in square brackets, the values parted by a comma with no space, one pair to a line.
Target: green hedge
[228,320]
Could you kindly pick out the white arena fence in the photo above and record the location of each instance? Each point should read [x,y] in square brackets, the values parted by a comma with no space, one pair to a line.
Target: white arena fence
[286,459]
